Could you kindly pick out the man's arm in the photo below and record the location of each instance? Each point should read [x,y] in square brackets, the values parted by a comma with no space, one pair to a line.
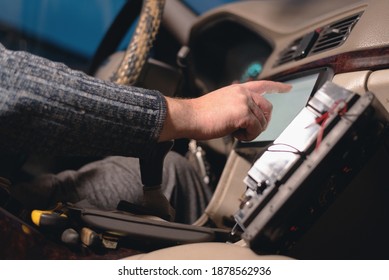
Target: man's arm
[47,107]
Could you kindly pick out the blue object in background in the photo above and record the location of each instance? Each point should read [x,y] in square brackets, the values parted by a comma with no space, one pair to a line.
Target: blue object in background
[252,72]
[77,26]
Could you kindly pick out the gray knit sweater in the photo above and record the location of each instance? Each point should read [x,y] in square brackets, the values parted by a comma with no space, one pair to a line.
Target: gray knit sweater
[47,107]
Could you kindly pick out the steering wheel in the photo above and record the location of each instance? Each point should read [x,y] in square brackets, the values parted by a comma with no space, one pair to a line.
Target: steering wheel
[129,66]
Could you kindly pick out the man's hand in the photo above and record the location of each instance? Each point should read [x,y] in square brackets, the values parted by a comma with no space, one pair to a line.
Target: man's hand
[238,109]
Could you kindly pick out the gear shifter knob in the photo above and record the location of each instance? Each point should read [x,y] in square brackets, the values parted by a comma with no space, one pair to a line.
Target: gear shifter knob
[151,167]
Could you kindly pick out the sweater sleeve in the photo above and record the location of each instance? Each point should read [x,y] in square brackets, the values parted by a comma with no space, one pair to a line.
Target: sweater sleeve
[48,108]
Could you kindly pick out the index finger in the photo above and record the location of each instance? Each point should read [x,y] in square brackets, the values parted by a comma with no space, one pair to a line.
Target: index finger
[264,86]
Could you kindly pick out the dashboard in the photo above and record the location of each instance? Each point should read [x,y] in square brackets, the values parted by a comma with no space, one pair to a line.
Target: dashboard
[289,36]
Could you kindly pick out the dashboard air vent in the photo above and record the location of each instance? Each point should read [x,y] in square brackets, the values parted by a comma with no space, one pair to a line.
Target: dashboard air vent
[319,40]
[289,53]
[334,35]
[298,49]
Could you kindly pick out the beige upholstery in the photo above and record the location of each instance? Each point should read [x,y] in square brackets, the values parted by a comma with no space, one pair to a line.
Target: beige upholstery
[354,81]
[225,201]
[378,83]
[206,251]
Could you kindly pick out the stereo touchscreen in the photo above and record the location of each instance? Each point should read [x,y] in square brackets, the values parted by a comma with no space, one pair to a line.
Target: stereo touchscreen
[286,106]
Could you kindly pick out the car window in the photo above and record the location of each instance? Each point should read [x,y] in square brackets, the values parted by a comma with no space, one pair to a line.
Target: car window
[66,30]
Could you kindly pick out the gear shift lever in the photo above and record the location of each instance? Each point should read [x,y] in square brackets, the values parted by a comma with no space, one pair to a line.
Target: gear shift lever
[154,201]
[151,169]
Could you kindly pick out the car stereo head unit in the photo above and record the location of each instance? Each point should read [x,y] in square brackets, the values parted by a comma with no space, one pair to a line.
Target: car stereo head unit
[300,174]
